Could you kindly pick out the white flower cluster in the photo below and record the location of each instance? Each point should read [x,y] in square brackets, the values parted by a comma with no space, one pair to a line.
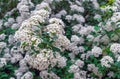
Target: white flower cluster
[2,45]
[96,51]
[45,75]
[76,68]
[45,59]
[83,25]
[30,31]
[2,62]
[107,61]
[42,60]
[27,30]
[27,75]
[112,23]
[76,7]
[115,48]
[62,42]
[24,7]
[94,69]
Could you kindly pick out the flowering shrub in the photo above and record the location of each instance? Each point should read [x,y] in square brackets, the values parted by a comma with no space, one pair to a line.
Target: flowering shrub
[61,39]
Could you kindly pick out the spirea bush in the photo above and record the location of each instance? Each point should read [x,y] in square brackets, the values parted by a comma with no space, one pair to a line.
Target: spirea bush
[61,39]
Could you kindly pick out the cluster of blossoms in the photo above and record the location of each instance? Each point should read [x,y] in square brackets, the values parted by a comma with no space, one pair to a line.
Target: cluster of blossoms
[48,75]
[79,37]
[115,48]
[30,35]
[106,61]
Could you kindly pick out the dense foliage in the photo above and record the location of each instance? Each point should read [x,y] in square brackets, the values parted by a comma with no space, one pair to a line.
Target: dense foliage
[60,39]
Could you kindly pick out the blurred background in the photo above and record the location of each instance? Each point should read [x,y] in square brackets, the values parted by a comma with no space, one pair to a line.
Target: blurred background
[7,5]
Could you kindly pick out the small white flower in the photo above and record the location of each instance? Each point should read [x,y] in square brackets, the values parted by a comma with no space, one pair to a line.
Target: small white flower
[79,63]
[115,48]
[107,61]
[96,51]
[2,62]
[27,75]
[118,59]
[56,21]
[74,68]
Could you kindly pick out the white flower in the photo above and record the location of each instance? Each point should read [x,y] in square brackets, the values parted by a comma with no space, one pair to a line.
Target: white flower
[72,55]
[94,69]
[62,42]
[19,19]
[2,45]
[16,57]
[1,23]
[48,1]
[97,16]
[23,35]
[96,51]
[11,39]
[105,39]
[110,74]
[25,2]
[7,56]
[90,37]
[15,26]
[78,18]
[43,13]
[48,75]
[24,8]
[12,78]
[43,5]
[22,63]
[2,62]
[95,3]
[74,69]
[61,13]
[68,17]
[62,62]
[79,63]
[11,20]
[77,76]
[118,59]
[42,60]
[35,19]
[75,50]
[7,24]
[115,48]
[2,36]
[75,39]
[77,8]
[56,21]
[83,56]
[108,26]
[76,28]
[107,61]
[86,30]
[27,75]
[115,37]
[18,75]
[91,67]
[54,28]
[25,15]
[81,49]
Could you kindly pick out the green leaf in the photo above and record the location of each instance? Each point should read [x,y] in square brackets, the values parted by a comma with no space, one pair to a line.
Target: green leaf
[55,49]
[117,64]
[97,28]
[3,76]
[117,30]
[24,44]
